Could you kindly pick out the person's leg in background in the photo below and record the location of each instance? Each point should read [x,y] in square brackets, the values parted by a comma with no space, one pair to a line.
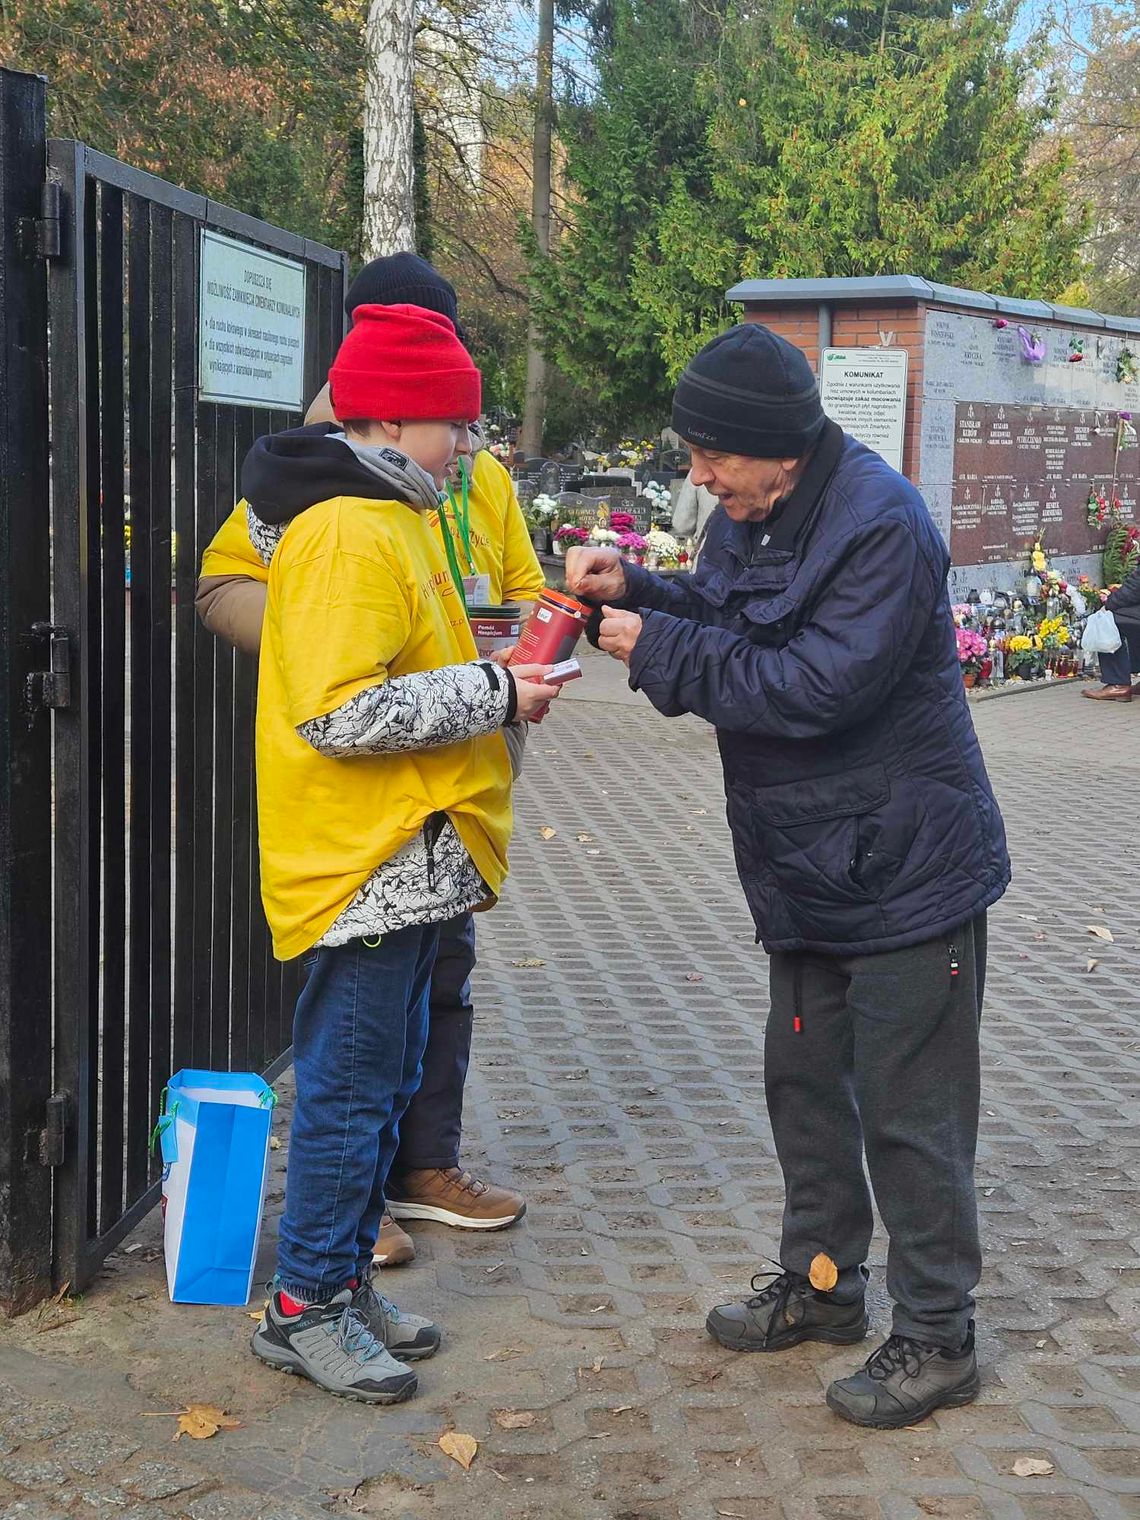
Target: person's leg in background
[427,1180]
[1116,669]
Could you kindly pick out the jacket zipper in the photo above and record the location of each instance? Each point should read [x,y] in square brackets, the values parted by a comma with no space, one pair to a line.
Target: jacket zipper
[432,830]
[953,961]
[797,996]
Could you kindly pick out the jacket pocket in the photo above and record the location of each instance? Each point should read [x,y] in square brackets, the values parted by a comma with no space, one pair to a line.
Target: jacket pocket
[822,838]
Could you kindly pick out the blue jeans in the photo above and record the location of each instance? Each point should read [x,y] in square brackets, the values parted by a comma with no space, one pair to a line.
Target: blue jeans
[358,1039]
[1116,669]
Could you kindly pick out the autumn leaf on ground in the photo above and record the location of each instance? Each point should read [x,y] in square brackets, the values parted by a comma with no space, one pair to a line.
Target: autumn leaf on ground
[459,1448]
[1092,965]
[694,976]
[515,1419]
[1032,1467]
[201,1421]
[547,832]
[529,964]
[823,1274]
[584,838]
[274,1143]
[1101,933]
[505,1354]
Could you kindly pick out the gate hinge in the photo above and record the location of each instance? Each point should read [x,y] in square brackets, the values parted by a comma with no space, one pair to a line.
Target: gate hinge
[53,1136]
[51,687]
[41,237]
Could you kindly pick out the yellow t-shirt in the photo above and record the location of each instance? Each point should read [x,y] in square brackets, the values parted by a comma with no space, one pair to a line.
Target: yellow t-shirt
[500,540]
[359,591]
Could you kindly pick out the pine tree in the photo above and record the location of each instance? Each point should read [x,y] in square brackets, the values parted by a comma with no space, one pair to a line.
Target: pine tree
[806,138]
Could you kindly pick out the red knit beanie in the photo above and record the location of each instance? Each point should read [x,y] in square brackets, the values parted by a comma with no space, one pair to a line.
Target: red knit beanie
[403,364]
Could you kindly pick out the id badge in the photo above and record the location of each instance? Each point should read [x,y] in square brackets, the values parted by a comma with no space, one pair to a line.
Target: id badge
[477,590]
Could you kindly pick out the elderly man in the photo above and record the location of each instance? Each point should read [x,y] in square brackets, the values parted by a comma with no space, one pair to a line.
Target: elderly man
[817,637]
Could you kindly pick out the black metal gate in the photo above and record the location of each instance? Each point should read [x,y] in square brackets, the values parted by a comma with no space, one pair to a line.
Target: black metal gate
[160,952]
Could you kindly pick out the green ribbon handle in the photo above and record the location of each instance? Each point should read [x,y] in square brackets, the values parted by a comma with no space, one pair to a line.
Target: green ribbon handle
[462,510]
[452,557]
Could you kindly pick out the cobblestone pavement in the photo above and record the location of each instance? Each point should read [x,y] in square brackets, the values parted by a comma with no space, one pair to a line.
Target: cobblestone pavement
[618,1083]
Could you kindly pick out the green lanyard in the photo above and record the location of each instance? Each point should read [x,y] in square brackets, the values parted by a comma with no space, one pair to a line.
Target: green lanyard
[462,512]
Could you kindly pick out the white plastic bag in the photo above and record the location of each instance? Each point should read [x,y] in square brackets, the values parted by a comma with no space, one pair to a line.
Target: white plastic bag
[1101,635]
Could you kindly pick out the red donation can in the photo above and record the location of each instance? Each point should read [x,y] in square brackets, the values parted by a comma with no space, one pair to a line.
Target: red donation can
[551,635]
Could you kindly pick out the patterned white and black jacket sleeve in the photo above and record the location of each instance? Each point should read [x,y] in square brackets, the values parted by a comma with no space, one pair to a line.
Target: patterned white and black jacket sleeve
[432,877]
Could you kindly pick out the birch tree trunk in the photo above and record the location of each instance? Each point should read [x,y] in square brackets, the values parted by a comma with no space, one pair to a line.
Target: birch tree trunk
[534,409]
[389,161]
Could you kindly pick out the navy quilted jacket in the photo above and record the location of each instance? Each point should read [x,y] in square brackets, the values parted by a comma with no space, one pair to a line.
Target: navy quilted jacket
[821,645]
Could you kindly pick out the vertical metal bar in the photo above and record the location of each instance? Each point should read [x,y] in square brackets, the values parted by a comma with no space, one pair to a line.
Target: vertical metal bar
[94,696]
[245,1048]
[114,702]
[25,744]
[185,579]
[315,375]
[74,1057]
[161,842]
[223,776]
[142,677]
[207,649]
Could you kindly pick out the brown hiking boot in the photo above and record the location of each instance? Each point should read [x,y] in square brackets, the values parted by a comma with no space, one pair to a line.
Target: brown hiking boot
[393,1246]
[453,1196]
[1110,694]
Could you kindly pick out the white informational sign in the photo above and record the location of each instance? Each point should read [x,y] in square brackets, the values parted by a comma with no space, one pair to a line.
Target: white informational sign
[864,390]
[251,327]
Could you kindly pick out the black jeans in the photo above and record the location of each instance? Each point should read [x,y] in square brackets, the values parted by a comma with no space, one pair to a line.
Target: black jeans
[885,1061]
[433,1123]
[1116,669]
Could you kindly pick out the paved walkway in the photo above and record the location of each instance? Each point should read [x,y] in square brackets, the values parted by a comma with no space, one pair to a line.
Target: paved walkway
[618,1083]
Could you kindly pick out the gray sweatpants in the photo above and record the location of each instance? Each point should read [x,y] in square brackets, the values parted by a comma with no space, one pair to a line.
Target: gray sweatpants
[878,1054]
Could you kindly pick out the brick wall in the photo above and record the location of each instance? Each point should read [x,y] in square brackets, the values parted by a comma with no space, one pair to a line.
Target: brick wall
[863,326]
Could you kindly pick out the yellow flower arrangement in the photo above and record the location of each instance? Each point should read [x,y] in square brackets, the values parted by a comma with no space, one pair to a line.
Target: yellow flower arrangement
[1020,642]
[1053,633]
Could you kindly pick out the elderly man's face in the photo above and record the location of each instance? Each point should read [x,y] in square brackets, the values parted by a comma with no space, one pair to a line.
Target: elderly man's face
[747,488]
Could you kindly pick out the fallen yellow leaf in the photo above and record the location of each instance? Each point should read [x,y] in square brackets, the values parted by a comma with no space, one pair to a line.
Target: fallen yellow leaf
[201,1421]
[823,1274]
[529,964]
[547,832]
[515,1419]
[1101,932]
[1092,965]
[459,1448]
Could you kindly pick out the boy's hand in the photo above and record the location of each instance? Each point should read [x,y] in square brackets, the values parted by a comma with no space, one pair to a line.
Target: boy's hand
[530,693]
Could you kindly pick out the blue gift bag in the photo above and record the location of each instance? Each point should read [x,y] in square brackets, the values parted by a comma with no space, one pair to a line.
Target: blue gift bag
[214,1130]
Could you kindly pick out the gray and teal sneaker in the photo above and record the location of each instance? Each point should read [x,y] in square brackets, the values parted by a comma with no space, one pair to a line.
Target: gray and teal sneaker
[408,1336]
[334,1346]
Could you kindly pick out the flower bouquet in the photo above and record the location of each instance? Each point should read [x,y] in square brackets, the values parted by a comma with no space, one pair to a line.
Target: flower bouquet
[662,550]
[971,653]
[569,536]
[632,546]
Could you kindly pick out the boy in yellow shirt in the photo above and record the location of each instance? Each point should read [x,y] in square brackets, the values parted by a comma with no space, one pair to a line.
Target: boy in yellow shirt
[427,1180]
[383,808]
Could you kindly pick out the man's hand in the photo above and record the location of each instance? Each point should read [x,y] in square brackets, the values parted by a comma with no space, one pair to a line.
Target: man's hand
[619,632]
[596,574]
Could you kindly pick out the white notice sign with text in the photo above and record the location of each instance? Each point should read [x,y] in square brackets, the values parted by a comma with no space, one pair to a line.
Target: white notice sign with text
[864,390]
[251,328]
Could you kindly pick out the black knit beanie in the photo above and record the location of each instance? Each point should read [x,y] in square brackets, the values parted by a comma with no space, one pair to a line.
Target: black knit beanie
[749,392]
[403,279]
